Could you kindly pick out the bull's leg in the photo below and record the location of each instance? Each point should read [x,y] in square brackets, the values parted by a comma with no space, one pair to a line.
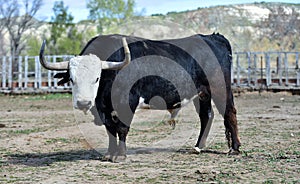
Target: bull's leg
[123,120]
[206,115]
[174,113]
[122,131]
[231,129]
[112,142]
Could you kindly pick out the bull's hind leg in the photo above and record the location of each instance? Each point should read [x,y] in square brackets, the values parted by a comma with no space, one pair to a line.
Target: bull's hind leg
[206,115]
[231,129]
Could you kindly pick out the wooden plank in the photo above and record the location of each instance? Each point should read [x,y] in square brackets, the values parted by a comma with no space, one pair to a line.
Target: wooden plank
[36,61]
[232,74]
[255,69]
[49,75]
[286,69]
[298,78]
[10,72]
[4,72]
[249,68]
[268,69]
[39,74]
[20,72]
[297,69]
[55,80]
[238,70]
[25,72]
[279,68]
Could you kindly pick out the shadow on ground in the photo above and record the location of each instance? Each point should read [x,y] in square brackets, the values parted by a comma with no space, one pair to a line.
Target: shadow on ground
[46,159]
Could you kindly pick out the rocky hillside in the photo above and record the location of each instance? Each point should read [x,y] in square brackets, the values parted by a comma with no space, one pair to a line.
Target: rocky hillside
[258,26]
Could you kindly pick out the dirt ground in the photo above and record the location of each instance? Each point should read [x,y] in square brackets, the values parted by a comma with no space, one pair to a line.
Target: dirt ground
[42,140]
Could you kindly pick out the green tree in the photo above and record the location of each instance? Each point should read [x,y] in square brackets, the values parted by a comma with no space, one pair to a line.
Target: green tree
[70,44]
[61,23]
[105,13]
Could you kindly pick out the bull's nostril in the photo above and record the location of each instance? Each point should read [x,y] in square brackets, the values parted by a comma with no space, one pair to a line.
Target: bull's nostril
[84,104]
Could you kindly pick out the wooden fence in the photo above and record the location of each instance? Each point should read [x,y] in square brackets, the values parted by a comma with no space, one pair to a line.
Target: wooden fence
[255,70]
[266,70]
[27,75]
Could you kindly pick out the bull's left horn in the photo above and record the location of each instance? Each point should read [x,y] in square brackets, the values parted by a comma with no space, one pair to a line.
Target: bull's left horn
[118,65]
[51,66]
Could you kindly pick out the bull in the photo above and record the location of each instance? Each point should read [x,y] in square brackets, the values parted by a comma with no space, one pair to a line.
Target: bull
[199,64]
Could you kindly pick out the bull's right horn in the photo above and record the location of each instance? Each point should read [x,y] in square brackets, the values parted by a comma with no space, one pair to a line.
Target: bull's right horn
[52,66]
[118,65]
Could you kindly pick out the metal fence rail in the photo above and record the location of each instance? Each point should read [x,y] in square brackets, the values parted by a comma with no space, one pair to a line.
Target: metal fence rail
[271,70]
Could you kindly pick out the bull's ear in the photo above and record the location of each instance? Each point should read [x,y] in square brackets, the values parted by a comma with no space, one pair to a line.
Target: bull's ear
[63,81]
[61,75]
[65,77]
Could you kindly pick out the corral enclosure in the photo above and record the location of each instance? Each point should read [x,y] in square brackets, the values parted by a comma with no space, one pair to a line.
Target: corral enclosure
[266,70]
[41,142]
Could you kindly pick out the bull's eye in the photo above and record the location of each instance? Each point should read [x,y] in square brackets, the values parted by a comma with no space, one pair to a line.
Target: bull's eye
[71,80]
[97,80]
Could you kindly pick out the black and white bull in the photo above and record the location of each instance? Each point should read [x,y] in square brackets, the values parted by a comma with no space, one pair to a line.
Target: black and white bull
[173,70]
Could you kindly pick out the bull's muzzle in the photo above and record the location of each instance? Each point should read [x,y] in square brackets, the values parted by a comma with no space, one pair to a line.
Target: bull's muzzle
[83,105]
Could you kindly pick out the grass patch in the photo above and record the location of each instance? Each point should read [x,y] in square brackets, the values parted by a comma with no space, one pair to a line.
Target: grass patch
[51,96]
[61,140]
[24,131]
[56,140]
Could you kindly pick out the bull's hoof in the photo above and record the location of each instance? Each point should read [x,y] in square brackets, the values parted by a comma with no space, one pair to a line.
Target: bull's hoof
[119,158]
[172,123]
[233,152]
[107,157]
[196,150]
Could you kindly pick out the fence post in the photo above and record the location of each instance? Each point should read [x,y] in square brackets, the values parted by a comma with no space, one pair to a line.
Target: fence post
[298,70]
[25,72]
[238,70]
[10,74]
[36,61]
[232,74]
[54,72]
[286,68]
[298,78]
[39,74]
[255,68]
[297,60]
[268,70]
[249,68]
[279,68]
[20,72]
[49,75]
[3,72]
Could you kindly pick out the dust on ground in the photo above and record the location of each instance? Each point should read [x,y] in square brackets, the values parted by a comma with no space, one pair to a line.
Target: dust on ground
[41,142]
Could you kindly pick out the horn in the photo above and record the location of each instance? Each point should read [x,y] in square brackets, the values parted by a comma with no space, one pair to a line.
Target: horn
[52,66]
[118,65]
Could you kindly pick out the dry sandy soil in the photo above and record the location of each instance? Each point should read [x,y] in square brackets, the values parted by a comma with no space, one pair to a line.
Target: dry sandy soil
[42,141]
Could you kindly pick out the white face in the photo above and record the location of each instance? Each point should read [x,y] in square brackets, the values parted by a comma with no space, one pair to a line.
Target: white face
[85,72]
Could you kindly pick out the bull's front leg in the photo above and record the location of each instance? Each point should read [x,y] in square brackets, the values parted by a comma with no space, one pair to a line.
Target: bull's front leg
[112,142]
[122,131]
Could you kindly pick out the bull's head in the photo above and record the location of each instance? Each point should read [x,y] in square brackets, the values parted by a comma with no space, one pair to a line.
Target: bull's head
[85,72]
